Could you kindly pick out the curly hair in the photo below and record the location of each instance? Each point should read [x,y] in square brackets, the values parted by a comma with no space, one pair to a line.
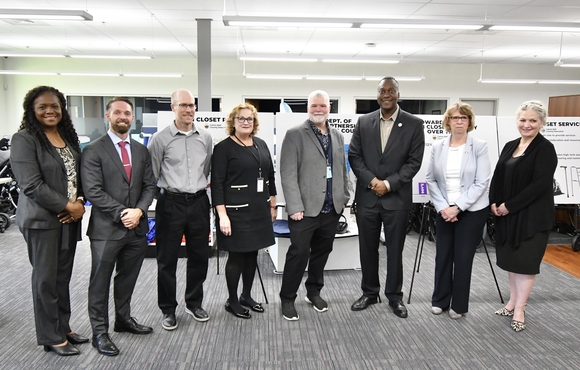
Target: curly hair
[31,124]
[230,129]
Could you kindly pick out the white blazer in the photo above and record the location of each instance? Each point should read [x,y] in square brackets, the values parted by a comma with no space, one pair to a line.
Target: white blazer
[475,174]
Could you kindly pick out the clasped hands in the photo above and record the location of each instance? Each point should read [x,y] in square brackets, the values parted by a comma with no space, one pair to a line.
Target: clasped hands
[378,187]
[499,211]
[449,214]
[72,212]
[130,217]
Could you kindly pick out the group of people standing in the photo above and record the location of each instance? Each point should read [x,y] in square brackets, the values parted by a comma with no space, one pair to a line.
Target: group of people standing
[121,177]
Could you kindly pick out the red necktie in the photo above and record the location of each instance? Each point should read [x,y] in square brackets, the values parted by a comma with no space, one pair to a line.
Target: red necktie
[125,158]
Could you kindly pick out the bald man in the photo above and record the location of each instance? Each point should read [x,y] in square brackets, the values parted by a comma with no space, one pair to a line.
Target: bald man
[181,156]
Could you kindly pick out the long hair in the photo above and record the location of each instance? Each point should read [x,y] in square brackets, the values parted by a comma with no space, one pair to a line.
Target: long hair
[31,124]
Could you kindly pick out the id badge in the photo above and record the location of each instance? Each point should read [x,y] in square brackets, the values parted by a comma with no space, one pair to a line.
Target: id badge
[260,185]
[328,172]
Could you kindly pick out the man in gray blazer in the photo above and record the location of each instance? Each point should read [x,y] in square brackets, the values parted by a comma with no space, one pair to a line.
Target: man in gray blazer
[385,153]
[315,184]
[120,193]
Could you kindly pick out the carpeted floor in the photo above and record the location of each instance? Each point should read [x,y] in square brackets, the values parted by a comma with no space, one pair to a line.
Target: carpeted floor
[337,339]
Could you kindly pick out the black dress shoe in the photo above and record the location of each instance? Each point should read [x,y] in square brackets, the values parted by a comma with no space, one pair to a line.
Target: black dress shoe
[244,315]
[131,326]
[256,308]
[104,344]
[66,350]
[399,308]
[74,338]
[363,302]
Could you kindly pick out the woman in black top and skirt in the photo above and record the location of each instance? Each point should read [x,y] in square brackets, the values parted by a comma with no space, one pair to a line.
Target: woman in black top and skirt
[244,195]
[522,199]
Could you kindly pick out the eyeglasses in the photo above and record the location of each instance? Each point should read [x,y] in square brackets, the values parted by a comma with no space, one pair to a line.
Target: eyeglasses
[459,118]
[185,106]
[244,119]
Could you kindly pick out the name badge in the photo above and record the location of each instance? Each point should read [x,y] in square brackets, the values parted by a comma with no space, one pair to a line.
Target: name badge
[260,185]
[328,172]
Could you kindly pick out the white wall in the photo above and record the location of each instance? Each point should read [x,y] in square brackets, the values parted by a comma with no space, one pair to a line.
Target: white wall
[443,81]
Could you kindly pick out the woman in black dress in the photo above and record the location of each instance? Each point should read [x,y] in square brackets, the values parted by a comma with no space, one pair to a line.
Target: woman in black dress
[45,158]
[244,196]
[522,199]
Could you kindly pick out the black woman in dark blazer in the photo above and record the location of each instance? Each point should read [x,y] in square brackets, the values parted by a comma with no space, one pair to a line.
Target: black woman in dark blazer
[522,199]
[45,158]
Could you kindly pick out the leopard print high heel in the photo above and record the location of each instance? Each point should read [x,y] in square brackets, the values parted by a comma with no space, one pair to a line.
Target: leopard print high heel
[504,312]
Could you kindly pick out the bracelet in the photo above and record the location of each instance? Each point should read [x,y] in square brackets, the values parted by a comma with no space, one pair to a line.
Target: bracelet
[274,207]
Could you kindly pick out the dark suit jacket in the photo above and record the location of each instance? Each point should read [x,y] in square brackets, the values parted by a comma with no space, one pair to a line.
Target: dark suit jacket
[398,164]
[43,182]
[106,186]
[303,171]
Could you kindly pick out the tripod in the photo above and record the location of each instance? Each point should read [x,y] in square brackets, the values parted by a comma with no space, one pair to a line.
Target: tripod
[421,242]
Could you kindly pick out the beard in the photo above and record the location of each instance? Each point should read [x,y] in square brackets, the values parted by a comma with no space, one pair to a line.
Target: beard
[318,119]
[120,128]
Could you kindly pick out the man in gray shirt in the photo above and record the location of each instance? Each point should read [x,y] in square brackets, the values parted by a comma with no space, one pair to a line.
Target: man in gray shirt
[181,156]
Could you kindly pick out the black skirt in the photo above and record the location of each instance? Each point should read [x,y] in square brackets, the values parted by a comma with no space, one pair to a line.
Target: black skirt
[526,258]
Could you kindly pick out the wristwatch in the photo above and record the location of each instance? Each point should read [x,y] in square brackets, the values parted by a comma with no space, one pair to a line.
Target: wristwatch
[82,199]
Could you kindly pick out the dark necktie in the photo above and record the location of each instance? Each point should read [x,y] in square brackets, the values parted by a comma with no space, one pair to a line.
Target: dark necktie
[125,158]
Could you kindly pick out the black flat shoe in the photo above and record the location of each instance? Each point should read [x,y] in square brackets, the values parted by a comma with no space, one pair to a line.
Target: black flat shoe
[243,315]
[66,350]
[256,308]
[74,338]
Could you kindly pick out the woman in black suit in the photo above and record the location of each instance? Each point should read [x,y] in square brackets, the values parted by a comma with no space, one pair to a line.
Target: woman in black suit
[244,196]
[522,199]
[45,158]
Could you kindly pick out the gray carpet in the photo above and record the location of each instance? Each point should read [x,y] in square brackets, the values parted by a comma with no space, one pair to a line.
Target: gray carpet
[337,339]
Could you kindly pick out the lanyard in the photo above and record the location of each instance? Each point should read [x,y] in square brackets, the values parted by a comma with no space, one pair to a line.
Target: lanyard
[259,160]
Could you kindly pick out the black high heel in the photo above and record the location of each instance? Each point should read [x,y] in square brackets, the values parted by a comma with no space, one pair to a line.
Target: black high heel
[66,350]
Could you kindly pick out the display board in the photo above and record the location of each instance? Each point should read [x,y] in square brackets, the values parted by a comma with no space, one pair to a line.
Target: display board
[564,133]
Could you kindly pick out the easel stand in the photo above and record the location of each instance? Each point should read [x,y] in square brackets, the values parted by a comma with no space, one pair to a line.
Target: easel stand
[421,242]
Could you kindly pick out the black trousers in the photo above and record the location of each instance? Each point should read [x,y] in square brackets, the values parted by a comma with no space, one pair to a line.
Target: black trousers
[126,257]
[51,273]
[369,220]
[175,217]
[456,244]
[311,241]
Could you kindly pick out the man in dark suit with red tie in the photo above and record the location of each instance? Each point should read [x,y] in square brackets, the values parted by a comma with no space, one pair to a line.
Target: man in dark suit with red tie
[117,173]
[385,153]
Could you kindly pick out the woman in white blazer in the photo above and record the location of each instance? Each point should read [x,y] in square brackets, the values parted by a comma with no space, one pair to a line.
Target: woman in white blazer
[458,177]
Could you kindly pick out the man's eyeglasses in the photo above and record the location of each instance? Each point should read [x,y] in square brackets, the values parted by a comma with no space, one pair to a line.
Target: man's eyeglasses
[185,106]
[244,119]
[459,118]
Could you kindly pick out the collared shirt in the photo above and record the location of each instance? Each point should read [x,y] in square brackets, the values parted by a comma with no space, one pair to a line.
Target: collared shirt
[116,141]
[386,127]
[181,162]
[326,144]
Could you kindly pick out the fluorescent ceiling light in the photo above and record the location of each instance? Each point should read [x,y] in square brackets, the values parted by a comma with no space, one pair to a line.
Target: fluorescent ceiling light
[506,81]
[335,78]
[536,28]
[36,73]
[274,59]
[33,55]
[398,78]
[560,82]
[111,56]
[289,24]
[46,14]
[94,74]
[273,77]
[163,75]
[569,65]
[386,61]
[424,25]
